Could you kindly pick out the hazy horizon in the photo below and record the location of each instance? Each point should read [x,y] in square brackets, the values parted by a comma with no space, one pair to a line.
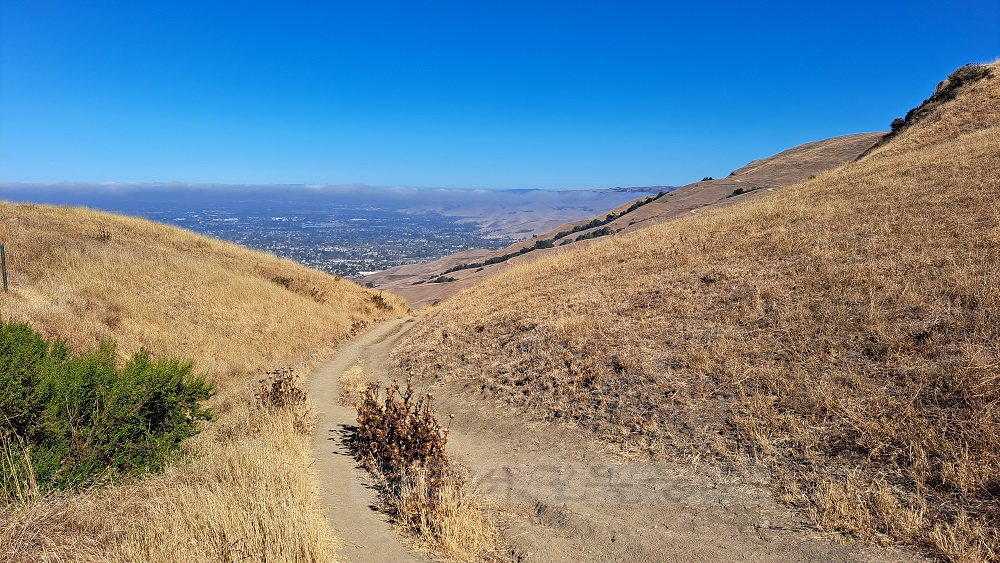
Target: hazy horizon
[342,230]
[117,186]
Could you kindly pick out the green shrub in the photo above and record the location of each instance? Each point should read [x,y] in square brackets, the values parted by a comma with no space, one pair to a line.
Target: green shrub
[741,191]
[596,233]
[77,420]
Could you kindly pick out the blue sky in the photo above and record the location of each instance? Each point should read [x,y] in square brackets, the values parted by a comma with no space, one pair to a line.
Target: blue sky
[465,93]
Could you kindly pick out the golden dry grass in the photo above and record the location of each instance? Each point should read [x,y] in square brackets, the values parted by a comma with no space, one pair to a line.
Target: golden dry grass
[84,275]
[353,381]
[451,518]
[243,491]
[843,331]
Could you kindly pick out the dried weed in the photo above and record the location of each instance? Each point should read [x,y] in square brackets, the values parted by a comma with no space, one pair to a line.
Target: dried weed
[400,440]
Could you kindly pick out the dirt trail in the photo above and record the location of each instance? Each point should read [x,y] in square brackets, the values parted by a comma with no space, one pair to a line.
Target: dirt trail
[564,495]
[347,496]
[569,497]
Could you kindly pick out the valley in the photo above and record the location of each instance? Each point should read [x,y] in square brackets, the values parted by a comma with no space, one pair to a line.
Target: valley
[345,231]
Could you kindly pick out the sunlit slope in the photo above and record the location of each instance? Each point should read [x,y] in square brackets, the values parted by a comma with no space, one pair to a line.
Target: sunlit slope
[243,490]
[84,275]
[417,282]
[843,331]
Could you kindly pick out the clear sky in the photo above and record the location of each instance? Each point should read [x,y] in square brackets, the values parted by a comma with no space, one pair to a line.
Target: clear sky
[466,93]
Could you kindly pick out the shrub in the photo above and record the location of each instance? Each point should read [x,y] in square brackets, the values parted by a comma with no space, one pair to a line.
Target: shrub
[380,302]
[741,191]
[707,179]
[279,392]
[401,442]
[397,433]
[603,232]
[77,420]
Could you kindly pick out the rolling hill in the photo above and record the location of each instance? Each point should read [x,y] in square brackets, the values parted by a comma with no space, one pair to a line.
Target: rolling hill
[427,283]
[841,332]
[243,489]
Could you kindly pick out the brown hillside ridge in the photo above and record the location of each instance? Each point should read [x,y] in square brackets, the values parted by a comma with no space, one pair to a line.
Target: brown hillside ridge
[243,490]
[415,282]
[840,334]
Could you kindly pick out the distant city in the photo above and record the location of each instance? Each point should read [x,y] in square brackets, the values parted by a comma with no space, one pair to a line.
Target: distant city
[347,231]
[341,240]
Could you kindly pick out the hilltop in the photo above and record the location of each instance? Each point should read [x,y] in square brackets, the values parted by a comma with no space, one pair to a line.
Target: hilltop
[244,489]
[428,282]
[840,332]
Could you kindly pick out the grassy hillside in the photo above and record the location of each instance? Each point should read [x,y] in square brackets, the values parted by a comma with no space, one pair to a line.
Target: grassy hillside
[419,283]
[243,491]
[842,331]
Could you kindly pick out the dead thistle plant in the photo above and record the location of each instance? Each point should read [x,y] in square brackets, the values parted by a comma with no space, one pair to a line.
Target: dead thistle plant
[400,440]
[278,391]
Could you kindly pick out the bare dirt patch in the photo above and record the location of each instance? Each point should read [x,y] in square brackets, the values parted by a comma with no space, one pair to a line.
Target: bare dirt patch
[566,496]
[559,493]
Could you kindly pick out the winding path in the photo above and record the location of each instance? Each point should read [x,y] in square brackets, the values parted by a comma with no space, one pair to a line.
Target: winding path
[346,493]
[562,494]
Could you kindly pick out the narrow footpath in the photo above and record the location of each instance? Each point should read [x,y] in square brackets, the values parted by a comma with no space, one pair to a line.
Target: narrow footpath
[347,496]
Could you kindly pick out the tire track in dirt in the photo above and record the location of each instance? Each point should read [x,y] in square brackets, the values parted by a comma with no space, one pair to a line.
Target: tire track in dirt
[346,493]
[566,496]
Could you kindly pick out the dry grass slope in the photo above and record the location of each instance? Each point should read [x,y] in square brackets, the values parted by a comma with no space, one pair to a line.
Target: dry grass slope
[244,492]
[843,330]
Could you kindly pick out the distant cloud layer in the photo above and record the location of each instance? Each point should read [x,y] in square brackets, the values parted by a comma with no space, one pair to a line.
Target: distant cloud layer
[510,212]
[414,198]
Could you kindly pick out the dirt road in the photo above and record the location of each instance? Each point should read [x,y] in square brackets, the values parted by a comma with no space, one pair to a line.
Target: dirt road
[563,495]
